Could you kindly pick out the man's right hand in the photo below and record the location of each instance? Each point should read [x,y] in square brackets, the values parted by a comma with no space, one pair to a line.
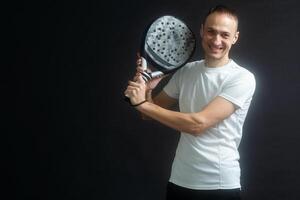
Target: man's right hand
[140,69]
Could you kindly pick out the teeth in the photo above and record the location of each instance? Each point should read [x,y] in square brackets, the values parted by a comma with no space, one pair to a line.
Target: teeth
[216,48]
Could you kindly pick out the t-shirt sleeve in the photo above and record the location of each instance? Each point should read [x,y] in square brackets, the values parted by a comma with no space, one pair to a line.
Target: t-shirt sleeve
[239,89]
[172,87]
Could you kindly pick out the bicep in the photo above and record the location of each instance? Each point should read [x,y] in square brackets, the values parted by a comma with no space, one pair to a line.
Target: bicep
[164,100]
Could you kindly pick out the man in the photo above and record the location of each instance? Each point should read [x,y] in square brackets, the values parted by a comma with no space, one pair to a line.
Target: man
[214,95]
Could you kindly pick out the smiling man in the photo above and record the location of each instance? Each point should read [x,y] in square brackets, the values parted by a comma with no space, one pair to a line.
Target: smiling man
[214,95]
[219,32]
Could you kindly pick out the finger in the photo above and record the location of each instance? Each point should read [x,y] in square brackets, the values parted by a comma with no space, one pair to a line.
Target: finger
[137,73]
[131,94]
[134,84]
[131,91]
[127,93]
[135,78]
[131,88]
[139,62]
[140,69]
[140,80]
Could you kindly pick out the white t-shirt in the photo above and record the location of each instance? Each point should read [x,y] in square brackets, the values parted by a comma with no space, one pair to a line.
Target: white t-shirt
[210,160]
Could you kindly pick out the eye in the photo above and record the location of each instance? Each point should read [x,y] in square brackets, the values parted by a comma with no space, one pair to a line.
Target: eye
[211,32]
[225,35]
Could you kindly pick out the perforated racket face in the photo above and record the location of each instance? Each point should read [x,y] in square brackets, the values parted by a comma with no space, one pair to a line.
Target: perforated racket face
[169,42]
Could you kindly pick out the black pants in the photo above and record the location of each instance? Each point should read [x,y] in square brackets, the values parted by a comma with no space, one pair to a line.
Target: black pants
[175,192]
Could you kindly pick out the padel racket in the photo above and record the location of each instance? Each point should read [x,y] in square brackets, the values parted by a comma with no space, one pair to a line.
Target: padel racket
[167,45]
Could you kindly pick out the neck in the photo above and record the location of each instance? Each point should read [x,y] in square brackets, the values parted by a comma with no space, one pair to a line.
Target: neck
[216,62]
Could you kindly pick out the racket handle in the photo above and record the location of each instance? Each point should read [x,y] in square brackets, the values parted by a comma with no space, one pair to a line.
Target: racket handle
[156,74]
[148,76]
[144,63]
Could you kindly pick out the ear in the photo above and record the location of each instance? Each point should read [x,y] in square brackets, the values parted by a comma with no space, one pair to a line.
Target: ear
[236,37]
[201,31]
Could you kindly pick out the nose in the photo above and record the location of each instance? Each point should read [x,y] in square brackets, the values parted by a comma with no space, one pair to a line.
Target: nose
[216,39]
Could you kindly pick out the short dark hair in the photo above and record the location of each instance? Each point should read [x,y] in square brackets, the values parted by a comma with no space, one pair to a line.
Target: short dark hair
[222,9]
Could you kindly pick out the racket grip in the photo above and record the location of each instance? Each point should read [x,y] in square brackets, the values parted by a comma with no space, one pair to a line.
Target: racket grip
[148,76]
[156,74]
[144,63]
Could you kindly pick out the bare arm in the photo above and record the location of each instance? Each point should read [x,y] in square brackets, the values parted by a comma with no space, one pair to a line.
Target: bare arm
[193,123]
[162,100]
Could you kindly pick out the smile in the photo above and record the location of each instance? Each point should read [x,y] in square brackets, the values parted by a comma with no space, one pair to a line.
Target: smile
[215,48]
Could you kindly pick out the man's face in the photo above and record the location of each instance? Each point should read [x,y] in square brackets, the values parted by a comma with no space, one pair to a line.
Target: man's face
[218,34]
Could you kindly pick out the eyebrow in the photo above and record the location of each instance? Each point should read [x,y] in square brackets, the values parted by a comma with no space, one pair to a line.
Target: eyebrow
[222,32]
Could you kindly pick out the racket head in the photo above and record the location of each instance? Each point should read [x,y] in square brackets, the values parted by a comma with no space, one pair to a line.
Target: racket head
[168,43]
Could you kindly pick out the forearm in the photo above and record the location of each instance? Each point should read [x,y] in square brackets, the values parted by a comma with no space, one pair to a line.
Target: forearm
[192,123]
[161,99]
[149,99]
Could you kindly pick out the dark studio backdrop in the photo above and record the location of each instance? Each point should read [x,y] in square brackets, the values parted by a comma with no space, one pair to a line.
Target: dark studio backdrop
[68,134]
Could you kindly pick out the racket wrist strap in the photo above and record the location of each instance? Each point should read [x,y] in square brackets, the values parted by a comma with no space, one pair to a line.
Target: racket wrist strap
[135,105]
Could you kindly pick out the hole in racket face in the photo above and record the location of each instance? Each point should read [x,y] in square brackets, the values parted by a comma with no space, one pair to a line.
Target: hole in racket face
[169,42]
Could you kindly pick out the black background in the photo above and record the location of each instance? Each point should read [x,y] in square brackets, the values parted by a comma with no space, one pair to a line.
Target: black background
[68,134]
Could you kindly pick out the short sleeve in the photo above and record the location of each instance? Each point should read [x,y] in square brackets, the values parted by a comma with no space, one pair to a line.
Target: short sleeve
[239,89]
[172,87]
